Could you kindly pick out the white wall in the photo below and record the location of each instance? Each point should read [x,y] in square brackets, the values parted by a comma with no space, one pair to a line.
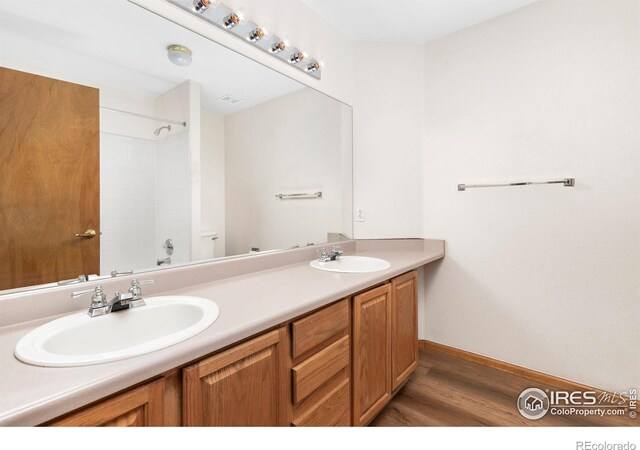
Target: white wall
[212,159]
[288,145]
[388,139]
[545,277]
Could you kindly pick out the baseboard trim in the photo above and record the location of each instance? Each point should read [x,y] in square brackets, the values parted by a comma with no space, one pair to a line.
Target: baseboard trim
[503,366]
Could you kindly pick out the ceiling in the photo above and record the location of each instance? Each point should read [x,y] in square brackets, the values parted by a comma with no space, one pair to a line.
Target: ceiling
[118,44]
[408,20]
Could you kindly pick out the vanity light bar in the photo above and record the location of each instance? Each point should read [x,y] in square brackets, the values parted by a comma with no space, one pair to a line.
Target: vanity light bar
[224,18]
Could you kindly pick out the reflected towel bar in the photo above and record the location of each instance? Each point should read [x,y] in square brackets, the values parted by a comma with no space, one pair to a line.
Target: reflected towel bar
[299,196]
[568,182]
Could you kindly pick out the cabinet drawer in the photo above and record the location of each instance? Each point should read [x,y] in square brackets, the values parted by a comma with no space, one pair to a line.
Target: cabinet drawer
[317,328]
[318,369]
[333,410]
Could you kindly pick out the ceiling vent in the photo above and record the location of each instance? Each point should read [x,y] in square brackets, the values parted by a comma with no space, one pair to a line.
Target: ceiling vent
[230,99]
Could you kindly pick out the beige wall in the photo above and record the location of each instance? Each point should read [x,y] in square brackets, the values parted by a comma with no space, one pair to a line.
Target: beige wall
[212,159]
[292,144]
[387,139]
[546,277]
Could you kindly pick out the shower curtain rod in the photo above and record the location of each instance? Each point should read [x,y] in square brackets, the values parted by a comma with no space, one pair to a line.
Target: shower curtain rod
[157,119]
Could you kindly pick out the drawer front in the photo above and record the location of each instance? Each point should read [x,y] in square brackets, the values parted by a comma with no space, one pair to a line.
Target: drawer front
[318,369]
[313,330]
[333,410]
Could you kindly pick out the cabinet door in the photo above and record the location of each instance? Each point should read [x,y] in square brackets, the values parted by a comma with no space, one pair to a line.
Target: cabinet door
[371,353]
[242,386]
[404,327]
[139,407]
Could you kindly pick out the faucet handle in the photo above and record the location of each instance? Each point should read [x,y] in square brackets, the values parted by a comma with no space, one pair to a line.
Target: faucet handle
[98,299]
[135,288]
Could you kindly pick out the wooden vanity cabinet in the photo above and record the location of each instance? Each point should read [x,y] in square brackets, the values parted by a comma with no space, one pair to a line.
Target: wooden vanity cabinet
[371,353]
[337,366]
[242,386]
[385,344]
[138,407]
[321,367]
[404,327]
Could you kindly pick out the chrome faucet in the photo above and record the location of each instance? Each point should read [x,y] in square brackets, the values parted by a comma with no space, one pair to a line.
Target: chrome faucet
[333,255]
[100,306]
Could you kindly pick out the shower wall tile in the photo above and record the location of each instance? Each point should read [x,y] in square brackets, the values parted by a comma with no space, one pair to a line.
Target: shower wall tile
[127,203]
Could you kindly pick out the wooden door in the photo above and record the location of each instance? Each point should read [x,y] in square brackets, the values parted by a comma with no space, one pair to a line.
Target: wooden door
[139,407]
[404,327]
[242,386]
[49,179]
[371,353]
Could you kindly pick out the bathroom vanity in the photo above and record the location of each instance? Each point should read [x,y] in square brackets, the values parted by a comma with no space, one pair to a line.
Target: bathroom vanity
[302,373]
[293,346]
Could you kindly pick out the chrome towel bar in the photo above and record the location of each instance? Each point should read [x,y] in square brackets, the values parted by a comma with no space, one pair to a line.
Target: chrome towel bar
[568,182]
[299,196]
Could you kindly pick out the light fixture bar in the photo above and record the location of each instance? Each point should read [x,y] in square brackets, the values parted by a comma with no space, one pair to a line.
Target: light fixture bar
[231,21]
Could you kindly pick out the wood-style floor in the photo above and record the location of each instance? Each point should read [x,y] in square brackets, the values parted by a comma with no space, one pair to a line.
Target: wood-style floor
[448,391]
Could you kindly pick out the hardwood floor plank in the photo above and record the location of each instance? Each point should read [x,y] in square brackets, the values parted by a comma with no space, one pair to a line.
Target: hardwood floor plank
[445,390]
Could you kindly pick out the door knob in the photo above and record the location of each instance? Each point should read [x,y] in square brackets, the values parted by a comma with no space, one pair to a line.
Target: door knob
[88,234]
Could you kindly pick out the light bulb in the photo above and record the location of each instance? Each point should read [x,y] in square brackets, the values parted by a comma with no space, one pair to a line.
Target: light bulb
[313,66]
[296,58]
[278,47]
[231,21]
[200,6]
[257,34]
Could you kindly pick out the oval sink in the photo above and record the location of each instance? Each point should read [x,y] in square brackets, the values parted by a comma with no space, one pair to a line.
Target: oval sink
[79,340]
[352,264]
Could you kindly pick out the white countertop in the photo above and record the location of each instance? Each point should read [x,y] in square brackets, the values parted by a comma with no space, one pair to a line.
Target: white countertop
[249,304]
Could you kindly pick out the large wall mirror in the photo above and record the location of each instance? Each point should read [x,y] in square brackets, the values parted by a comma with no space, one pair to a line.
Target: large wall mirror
[114,159]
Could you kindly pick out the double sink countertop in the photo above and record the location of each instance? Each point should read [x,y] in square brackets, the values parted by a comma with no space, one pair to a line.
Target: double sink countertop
[253,294]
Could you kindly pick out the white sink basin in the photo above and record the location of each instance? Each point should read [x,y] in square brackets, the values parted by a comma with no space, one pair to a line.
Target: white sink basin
[79,340]
[352,264]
